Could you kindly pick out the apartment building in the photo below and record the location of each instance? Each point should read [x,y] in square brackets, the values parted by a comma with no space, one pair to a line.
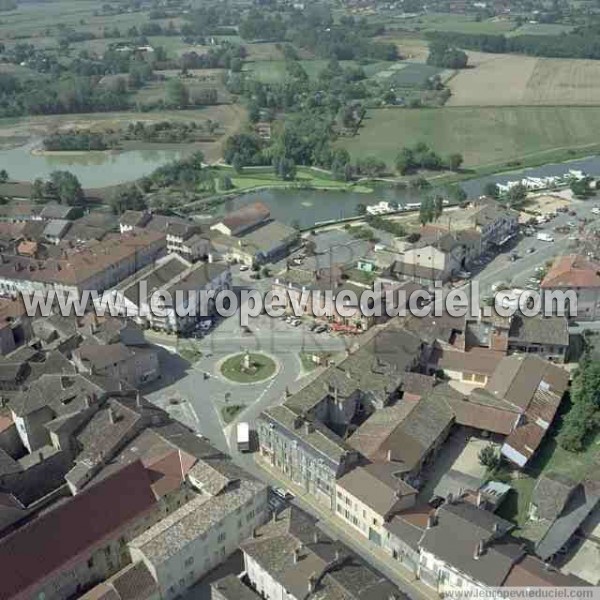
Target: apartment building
[94,266]
[183,283]
[580,275]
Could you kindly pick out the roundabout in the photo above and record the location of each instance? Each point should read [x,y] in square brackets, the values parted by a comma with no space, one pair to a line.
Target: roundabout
[248,367]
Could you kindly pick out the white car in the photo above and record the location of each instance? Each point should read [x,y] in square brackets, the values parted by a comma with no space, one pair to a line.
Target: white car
[244,267]
[596,210]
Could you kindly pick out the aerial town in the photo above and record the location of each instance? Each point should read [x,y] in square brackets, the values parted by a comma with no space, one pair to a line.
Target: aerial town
[170,170]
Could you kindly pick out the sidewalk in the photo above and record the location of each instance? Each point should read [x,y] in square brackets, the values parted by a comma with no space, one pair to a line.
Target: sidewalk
[375,556]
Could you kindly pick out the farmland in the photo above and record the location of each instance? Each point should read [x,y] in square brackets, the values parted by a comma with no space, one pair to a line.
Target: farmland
[508,80]
[485,136]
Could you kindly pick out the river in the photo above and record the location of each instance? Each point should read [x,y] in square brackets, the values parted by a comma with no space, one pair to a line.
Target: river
[308,207]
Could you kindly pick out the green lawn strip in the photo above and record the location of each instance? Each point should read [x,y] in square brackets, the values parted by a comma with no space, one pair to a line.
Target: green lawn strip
[230,412]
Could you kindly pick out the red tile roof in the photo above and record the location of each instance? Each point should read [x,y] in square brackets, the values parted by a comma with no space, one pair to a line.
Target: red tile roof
[74,528]
[573,272]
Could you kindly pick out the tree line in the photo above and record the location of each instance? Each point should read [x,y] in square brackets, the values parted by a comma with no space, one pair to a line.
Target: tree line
[581,43]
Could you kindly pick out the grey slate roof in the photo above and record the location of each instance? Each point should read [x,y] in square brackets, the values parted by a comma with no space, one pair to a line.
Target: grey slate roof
[552,331]
[459,529]
[231,588]
[339,574]
[581,502]
[550,495]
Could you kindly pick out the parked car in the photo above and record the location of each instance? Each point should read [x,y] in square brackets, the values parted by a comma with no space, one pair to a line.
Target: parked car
[596,210]
[244,267]
[283,493]
[321,329]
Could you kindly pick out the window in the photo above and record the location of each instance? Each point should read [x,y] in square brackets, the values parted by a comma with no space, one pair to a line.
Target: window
[221,537]
[90,563]
[189,561]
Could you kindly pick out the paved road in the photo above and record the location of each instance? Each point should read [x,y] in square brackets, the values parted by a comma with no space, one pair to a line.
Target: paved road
[516,273]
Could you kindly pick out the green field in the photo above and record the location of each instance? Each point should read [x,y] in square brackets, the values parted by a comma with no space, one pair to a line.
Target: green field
[541,29]
[485,136]
[407,74]
[455,23]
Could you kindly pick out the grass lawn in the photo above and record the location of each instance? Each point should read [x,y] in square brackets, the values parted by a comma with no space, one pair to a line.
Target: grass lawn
[485,136]
[541,29]
[256,178]
[262,367]
[230,412]
[188,351]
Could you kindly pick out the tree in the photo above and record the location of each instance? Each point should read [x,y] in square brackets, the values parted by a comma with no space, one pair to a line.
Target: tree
[225,183]
[455,161]
[581,188]
[405,161]
[516,194]
[491,189]
[438,207]
[3,175]
[37,189]
[285,168]
[66,187]
[127,198]
[361,209]
[489,457]
[426,211]
[456,193]
[177,93]
[583,419]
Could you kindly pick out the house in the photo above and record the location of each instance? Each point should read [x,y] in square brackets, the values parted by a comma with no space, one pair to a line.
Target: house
[50,398]
[55,230]
[466,548]
[15,325]
[135,366]
[90,549]
[534,389]
[133,581]
[139,297]
[495,223]
[268,243]
[232,588]
[547,337]
[291,558]
[368,496]
[227,507]
[186,239]
[559,506]
[403,533]
[97,434]
[580,275]
[242,220]
[53,211]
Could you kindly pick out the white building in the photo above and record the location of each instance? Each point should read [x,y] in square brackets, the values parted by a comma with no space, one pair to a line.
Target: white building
[187,544]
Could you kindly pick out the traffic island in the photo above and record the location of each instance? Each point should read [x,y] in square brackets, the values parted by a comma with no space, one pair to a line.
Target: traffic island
[248,367]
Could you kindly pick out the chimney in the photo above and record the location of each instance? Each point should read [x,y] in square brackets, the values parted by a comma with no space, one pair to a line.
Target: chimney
[450,498]
[496,528]
[338,555]
[478,550]
[312,583]
[308,427]
[138,400]
[479,499]
[296,555]
[41,456]
[254,532]
[430,520]
[389,455]
[211,258]
[111,416]
[315,536]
